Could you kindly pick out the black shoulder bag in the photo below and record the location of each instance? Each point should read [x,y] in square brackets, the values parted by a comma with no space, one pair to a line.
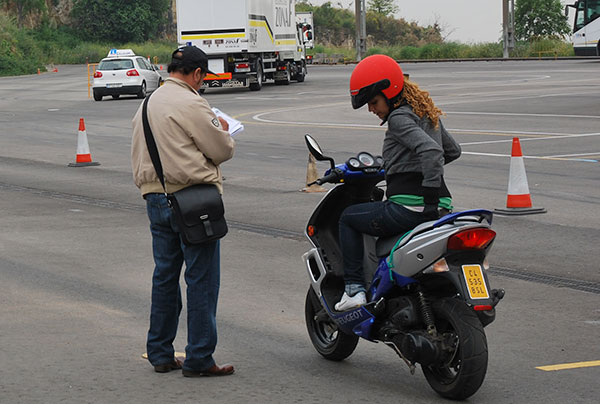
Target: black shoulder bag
[198,209]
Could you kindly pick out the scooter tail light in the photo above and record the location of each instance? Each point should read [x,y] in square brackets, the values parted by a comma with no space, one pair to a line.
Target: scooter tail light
[311,230]
[482,307]
[472,239]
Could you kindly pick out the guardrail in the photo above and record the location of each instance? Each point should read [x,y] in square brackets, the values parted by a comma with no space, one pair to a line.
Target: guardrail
[549,51]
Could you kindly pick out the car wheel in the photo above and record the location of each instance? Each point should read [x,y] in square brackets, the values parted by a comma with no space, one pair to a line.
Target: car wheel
[142,92]
[97,96]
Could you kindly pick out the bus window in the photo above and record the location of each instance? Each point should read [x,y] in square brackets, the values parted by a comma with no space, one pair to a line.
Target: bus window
[593,10]
[580,16]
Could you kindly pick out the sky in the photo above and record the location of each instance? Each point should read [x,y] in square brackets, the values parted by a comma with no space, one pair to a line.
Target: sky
[467,21]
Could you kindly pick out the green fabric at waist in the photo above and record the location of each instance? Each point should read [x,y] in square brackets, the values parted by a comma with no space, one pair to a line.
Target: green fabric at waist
[416,200]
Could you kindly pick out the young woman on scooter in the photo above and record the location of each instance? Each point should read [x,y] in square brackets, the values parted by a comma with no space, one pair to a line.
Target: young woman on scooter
[415,148]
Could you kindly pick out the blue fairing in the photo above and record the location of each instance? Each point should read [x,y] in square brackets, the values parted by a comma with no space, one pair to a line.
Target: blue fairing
[351,174]
[482,213]
[357,321]
[385,279]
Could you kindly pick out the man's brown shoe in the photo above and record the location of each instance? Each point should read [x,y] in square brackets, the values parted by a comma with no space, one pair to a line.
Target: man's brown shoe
[215,370]
[167,367]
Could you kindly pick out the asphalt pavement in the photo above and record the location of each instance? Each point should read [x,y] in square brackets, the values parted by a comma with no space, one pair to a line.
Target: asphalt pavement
[76,264]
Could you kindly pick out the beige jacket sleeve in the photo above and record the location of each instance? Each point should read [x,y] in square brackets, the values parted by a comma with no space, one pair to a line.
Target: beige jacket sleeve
[207,133]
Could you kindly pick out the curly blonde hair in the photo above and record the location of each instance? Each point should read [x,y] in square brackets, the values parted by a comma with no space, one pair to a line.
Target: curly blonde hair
[421,102]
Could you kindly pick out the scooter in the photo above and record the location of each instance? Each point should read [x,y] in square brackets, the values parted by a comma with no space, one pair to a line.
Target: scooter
[428,293]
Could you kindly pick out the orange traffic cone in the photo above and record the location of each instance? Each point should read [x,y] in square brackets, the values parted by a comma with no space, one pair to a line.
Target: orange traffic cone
[84,157]
[518,201]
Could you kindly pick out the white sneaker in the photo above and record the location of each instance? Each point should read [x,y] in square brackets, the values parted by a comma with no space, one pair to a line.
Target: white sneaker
[350,302]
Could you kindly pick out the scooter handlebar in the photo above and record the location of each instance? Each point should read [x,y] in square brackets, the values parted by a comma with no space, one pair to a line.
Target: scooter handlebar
[332,177]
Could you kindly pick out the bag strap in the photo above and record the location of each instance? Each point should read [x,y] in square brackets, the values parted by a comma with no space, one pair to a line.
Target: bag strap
[151,144]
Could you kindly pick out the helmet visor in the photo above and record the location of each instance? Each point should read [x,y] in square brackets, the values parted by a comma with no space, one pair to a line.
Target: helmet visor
[366,94]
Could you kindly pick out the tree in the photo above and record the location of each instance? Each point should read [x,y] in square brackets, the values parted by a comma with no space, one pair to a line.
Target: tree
[383,7]
[540,19]
[24,7]
[119,21]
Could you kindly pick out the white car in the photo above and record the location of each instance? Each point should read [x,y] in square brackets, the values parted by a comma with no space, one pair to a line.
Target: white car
[122,72]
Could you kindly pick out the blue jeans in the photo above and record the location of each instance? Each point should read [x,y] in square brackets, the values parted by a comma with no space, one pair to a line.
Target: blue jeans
[384,218]
[202,274]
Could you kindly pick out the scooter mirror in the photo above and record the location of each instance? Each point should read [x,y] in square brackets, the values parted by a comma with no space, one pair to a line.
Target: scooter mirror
[314,147]
[316,151]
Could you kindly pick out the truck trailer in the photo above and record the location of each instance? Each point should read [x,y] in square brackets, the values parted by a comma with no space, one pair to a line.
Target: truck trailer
[247,41]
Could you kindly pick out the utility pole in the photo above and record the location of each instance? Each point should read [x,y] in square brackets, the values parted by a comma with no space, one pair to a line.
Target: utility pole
[361,29]
[508,26]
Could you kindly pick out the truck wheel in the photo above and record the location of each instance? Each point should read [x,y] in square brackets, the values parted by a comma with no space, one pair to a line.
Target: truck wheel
[300,76]
[259,78]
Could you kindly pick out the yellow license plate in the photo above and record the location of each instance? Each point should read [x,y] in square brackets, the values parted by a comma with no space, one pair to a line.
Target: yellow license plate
[475,282]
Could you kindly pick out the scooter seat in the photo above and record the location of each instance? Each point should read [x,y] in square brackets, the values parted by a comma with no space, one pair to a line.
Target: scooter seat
[384,245]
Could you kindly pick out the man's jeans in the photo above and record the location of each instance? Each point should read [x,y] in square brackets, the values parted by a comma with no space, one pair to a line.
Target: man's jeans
[201,275]
[381,219]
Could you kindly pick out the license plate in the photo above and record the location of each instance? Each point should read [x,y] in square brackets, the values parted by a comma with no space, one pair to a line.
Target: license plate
[475,282]
[114,85]
[235,83]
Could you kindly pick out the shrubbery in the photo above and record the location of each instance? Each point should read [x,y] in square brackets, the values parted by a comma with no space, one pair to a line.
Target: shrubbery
[23,51]
[18,51]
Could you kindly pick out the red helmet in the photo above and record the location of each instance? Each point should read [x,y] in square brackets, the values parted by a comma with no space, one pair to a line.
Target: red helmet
[374,74]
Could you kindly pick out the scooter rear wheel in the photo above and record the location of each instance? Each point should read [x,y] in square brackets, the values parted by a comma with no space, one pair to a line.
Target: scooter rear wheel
[325,336]
[462,371]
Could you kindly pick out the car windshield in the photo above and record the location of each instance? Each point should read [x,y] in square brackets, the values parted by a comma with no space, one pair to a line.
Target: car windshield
[116,64]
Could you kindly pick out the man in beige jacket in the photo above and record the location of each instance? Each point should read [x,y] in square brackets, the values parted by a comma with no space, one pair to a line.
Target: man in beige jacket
[192,143]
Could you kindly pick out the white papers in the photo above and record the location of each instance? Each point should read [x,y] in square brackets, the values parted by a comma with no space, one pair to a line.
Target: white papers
[235,126]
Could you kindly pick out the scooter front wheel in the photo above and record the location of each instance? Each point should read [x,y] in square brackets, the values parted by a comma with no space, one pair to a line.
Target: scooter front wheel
[325,335]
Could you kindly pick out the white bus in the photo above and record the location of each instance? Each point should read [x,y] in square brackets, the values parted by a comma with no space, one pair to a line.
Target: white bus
[586,28]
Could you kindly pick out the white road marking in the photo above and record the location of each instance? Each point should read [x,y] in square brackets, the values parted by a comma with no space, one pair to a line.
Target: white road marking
[531,157]
[518,114]
[542,135]
[575,154]
[552,136]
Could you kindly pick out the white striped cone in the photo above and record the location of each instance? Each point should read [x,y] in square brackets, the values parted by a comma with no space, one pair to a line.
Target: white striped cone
[518,189]
[84,157]
[518,200]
